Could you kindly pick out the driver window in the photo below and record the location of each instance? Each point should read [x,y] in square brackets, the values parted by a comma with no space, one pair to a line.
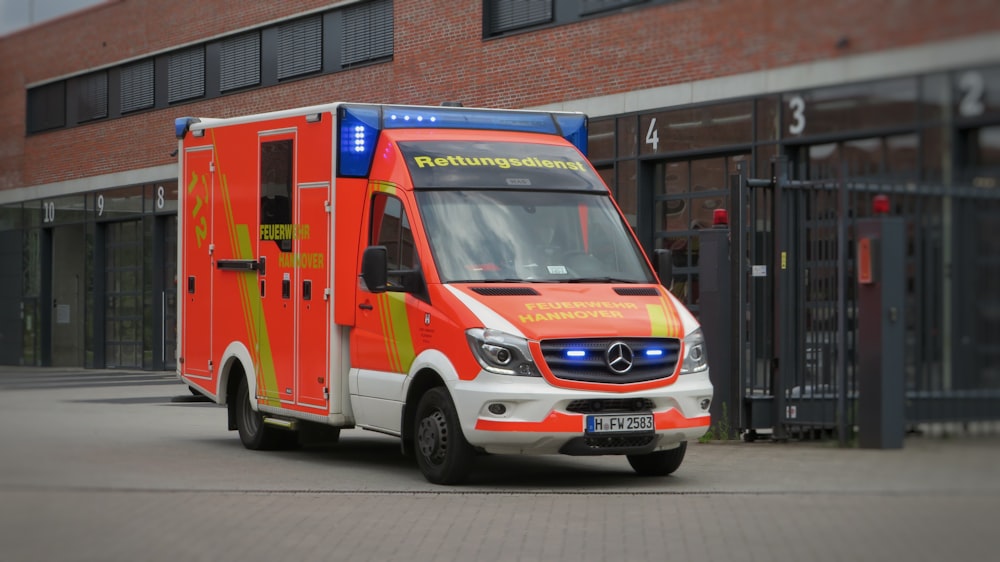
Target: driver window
[391,228]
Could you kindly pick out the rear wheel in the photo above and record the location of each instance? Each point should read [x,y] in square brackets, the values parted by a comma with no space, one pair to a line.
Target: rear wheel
[443,454]
[254,433]
[658,463]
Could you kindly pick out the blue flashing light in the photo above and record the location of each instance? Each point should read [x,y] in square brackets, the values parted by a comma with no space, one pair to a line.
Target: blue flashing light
[654,353]
[398,117]
[182,125]
[575,353]
[574,129]
[359,128]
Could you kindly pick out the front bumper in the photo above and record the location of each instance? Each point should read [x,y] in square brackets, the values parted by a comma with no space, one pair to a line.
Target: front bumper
[536,417]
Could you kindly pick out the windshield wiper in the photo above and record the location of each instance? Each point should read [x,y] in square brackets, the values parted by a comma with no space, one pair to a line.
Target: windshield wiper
[518,280]
[601,280]
[551,281]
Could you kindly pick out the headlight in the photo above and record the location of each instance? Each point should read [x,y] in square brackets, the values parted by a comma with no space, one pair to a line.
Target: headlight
[695,357]
[501,353]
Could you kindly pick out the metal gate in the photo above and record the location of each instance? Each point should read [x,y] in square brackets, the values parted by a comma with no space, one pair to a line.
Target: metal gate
[794,333]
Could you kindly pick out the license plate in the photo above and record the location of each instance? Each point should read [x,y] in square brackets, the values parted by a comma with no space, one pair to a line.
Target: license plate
[620,423]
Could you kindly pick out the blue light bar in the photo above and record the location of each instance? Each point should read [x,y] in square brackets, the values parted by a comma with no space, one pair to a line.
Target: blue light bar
[654,353]
[360,125]
[359,128]
[574,129]
[398,117]
[575,353]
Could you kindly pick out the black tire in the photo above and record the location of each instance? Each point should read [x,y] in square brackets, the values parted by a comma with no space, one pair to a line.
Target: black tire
[254,433]
[658,463]
[443,454]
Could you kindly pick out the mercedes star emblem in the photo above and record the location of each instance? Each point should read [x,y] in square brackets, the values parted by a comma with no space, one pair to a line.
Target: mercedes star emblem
[620,357]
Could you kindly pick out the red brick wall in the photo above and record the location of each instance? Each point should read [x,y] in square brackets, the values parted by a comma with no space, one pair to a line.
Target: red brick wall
[440,55]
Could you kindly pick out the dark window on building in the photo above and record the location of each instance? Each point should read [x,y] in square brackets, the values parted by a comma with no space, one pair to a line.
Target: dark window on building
[507,15]
[47,107]
[367,33]
[976,93]
[512,16]
[239,61]
[186,74]
[123,299]
[601,139]
[300,47]
[697,128]
[358,33]
[850,107]
[883,157]
[594,6]
[686,194]
[984,151]
[137,86]
[276,186]
[91,97]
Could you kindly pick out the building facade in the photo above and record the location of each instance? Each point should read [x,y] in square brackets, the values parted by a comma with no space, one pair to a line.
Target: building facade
[680,93]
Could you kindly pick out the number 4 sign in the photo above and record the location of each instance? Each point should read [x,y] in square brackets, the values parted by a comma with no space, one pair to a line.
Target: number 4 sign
[652,135]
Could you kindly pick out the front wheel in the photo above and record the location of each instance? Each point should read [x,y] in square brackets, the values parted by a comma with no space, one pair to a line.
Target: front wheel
[658,463]
[443,454]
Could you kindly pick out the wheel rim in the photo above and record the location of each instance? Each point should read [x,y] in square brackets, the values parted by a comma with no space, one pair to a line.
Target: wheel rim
[432,437]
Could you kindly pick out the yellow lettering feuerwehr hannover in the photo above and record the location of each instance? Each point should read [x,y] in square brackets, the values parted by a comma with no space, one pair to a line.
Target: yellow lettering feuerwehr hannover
[284,232]
[574,310]
[301,261]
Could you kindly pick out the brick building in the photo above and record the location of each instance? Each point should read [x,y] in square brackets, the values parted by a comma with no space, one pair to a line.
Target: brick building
[679,93]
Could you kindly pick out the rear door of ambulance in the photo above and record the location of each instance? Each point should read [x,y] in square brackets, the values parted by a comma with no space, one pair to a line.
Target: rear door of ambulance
[196,265]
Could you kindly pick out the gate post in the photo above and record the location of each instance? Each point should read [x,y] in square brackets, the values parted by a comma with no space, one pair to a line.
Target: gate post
[716,317]
[881,253]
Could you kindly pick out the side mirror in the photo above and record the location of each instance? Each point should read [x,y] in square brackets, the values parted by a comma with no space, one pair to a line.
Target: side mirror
[664,261]
[374,268]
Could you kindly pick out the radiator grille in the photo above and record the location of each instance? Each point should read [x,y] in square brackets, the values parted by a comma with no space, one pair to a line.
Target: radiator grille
[587,360]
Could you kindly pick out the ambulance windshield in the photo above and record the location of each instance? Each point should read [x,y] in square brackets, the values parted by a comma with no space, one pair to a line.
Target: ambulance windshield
[493,235]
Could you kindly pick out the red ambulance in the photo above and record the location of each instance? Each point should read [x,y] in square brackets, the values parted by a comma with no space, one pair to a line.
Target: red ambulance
[459,278]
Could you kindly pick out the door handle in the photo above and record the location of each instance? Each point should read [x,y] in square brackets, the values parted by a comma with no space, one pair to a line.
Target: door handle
[366,306]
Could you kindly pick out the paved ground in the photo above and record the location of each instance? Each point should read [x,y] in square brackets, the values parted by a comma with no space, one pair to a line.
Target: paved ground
[109,466]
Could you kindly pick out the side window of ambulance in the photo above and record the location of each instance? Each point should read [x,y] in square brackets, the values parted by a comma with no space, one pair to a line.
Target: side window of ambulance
[391,228]
[276,191]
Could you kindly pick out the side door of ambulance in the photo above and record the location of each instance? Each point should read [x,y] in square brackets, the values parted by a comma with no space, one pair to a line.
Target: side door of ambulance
[312,294]
[196,286]
[275,254]
[382,345]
